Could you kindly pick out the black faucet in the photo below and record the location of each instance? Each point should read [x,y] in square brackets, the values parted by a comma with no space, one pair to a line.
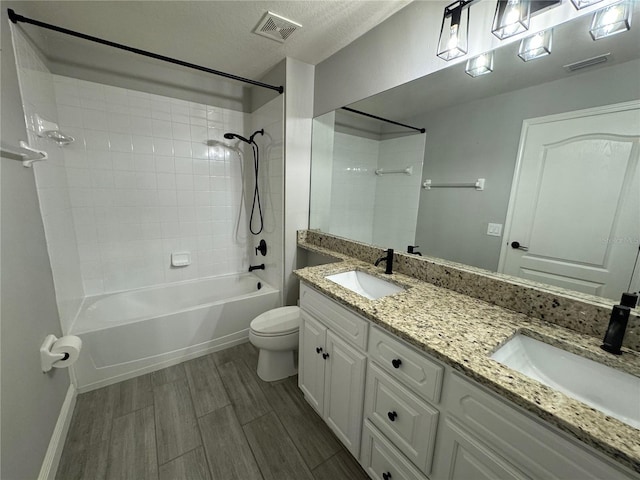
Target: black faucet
[618,323]
[388,258]
[256,267]
[412,249]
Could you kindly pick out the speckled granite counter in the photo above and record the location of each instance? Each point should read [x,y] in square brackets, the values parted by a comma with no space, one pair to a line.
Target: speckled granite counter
[463,332]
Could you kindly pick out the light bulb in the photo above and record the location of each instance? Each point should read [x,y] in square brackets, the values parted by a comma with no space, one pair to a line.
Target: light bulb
[453,37]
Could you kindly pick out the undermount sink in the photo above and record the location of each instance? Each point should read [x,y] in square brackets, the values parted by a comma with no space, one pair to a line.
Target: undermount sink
[604,388]
[364,284]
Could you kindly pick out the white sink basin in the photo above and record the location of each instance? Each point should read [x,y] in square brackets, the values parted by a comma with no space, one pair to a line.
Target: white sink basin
[604,388]
[364,284]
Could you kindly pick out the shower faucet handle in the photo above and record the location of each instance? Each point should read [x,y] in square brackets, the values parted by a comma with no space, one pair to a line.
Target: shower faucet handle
[262,248]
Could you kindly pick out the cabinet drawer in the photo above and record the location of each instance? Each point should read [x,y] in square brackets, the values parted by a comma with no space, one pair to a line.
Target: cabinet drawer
[405,364]
[381,459]
[406,419]
[346,324]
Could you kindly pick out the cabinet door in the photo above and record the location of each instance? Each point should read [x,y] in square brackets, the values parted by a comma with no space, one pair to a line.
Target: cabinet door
[464,457]
[344,391]
[311,370]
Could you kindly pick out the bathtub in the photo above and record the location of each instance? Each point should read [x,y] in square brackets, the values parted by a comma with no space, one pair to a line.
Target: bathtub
[129,333]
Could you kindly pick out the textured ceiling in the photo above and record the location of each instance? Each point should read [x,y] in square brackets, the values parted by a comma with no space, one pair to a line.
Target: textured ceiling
[216,34]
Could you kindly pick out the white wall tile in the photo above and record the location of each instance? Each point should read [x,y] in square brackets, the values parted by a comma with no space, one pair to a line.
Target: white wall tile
[143,182]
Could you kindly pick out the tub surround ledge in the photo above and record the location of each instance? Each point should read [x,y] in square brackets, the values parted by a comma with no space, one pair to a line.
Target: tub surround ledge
[463,331]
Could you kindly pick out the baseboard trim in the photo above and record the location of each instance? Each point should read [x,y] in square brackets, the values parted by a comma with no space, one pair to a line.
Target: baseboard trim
[56,444]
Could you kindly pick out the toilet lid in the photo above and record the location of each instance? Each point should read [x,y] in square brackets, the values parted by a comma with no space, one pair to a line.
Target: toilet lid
[277,321]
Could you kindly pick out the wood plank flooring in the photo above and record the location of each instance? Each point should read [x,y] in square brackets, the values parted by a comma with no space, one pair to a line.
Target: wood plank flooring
[210,418]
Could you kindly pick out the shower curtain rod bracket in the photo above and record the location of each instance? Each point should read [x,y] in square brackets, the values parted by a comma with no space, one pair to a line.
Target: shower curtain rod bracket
[15,18]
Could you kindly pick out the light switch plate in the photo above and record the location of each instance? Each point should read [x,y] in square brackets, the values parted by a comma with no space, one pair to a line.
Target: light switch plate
[494,229]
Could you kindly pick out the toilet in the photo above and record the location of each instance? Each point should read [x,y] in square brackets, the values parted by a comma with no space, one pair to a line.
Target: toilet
[275,333]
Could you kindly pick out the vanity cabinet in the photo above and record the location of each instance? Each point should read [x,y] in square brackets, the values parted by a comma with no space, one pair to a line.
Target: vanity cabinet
[482,436]
[418,419]
[331,366]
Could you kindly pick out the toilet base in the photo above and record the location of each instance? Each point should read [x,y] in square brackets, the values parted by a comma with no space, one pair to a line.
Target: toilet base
[276,365]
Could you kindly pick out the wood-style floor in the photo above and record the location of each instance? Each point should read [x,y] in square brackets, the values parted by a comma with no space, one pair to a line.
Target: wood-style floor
[210,418]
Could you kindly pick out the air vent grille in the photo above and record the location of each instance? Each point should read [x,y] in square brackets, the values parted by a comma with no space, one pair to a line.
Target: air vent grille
[589,62]
[275,27]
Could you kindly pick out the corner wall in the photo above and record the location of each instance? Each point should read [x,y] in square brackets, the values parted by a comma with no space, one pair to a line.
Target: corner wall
[298,120]
[31,401]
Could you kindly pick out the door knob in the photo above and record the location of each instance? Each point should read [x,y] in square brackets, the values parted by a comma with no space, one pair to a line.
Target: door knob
[517,246]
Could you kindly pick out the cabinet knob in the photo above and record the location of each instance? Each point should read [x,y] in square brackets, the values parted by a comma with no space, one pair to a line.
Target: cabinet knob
[386,476]
[392,416]
[318,349]
[325,355]
[396,362]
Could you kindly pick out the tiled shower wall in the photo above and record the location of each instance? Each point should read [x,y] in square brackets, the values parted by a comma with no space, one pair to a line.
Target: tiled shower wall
[353,192]
[149,176]
[271,182]
[398,195]
[36,86]
[381,210]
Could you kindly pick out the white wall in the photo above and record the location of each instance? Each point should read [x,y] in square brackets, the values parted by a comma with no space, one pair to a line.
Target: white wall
[403,48]
[31,401]
[38,97]
[452,223]
[271,180]
[298,121]
[322,171]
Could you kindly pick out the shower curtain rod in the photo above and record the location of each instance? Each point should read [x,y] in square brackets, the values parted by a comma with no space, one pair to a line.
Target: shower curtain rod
[15,18]
[421,130]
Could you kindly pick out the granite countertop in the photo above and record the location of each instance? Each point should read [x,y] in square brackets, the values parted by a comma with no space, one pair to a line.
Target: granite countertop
[463,332]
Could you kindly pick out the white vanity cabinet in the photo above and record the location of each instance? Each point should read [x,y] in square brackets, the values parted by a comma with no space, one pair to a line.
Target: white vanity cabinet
[331,371]
[418,419]
[483,436]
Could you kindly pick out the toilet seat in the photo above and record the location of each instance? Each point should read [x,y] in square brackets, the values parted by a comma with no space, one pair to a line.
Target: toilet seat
[276,322]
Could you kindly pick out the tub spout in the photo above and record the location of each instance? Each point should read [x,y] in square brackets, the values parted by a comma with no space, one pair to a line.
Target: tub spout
[256,267]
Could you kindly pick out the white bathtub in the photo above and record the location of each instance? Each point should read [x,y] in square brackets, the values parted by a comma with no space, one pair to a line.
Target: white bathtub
[129,333]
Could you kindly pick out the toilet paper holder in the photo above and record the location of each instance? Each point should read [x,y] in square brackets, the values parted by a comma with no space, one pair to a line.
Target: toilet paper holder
[50,359]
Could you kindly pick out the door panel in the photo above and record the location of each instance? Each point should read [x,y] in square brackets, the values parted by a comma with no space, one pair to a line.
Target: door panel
[576,202]
[344,391]
[312,366]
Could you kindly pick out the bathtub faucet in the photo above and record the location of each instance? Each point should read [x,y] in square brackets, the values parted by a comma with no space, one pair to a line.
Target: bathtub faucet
[256,267]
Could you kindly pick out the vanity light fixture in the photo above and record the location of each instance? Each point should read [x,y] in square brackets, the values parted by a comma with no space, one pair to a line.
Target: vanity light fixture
[535,46]
[611,20]
[480,65]
[511,18]
[580,4]
[454,32]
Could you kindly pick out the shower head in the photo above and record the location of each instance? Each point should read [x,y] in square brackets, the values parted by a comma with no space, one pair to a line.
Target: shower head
[231,136]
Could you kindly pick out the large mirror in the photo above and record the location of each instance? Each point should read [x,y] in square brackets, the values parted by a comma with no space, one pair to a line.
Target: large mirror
[555,139]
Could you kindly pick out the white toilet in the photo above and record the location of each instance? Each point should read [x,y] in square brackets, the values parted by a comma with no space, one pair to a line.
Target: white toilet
[275,333]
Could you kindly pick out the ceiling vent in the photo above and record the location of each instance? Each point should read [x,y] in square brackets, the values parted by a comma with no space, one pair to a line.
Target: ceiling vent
[276,27]
[589,62]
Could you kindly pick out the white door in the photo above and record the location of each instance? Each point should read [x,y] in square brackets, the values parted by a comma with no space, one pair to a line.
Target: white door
[575,201]
[311,363]
[344,392]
